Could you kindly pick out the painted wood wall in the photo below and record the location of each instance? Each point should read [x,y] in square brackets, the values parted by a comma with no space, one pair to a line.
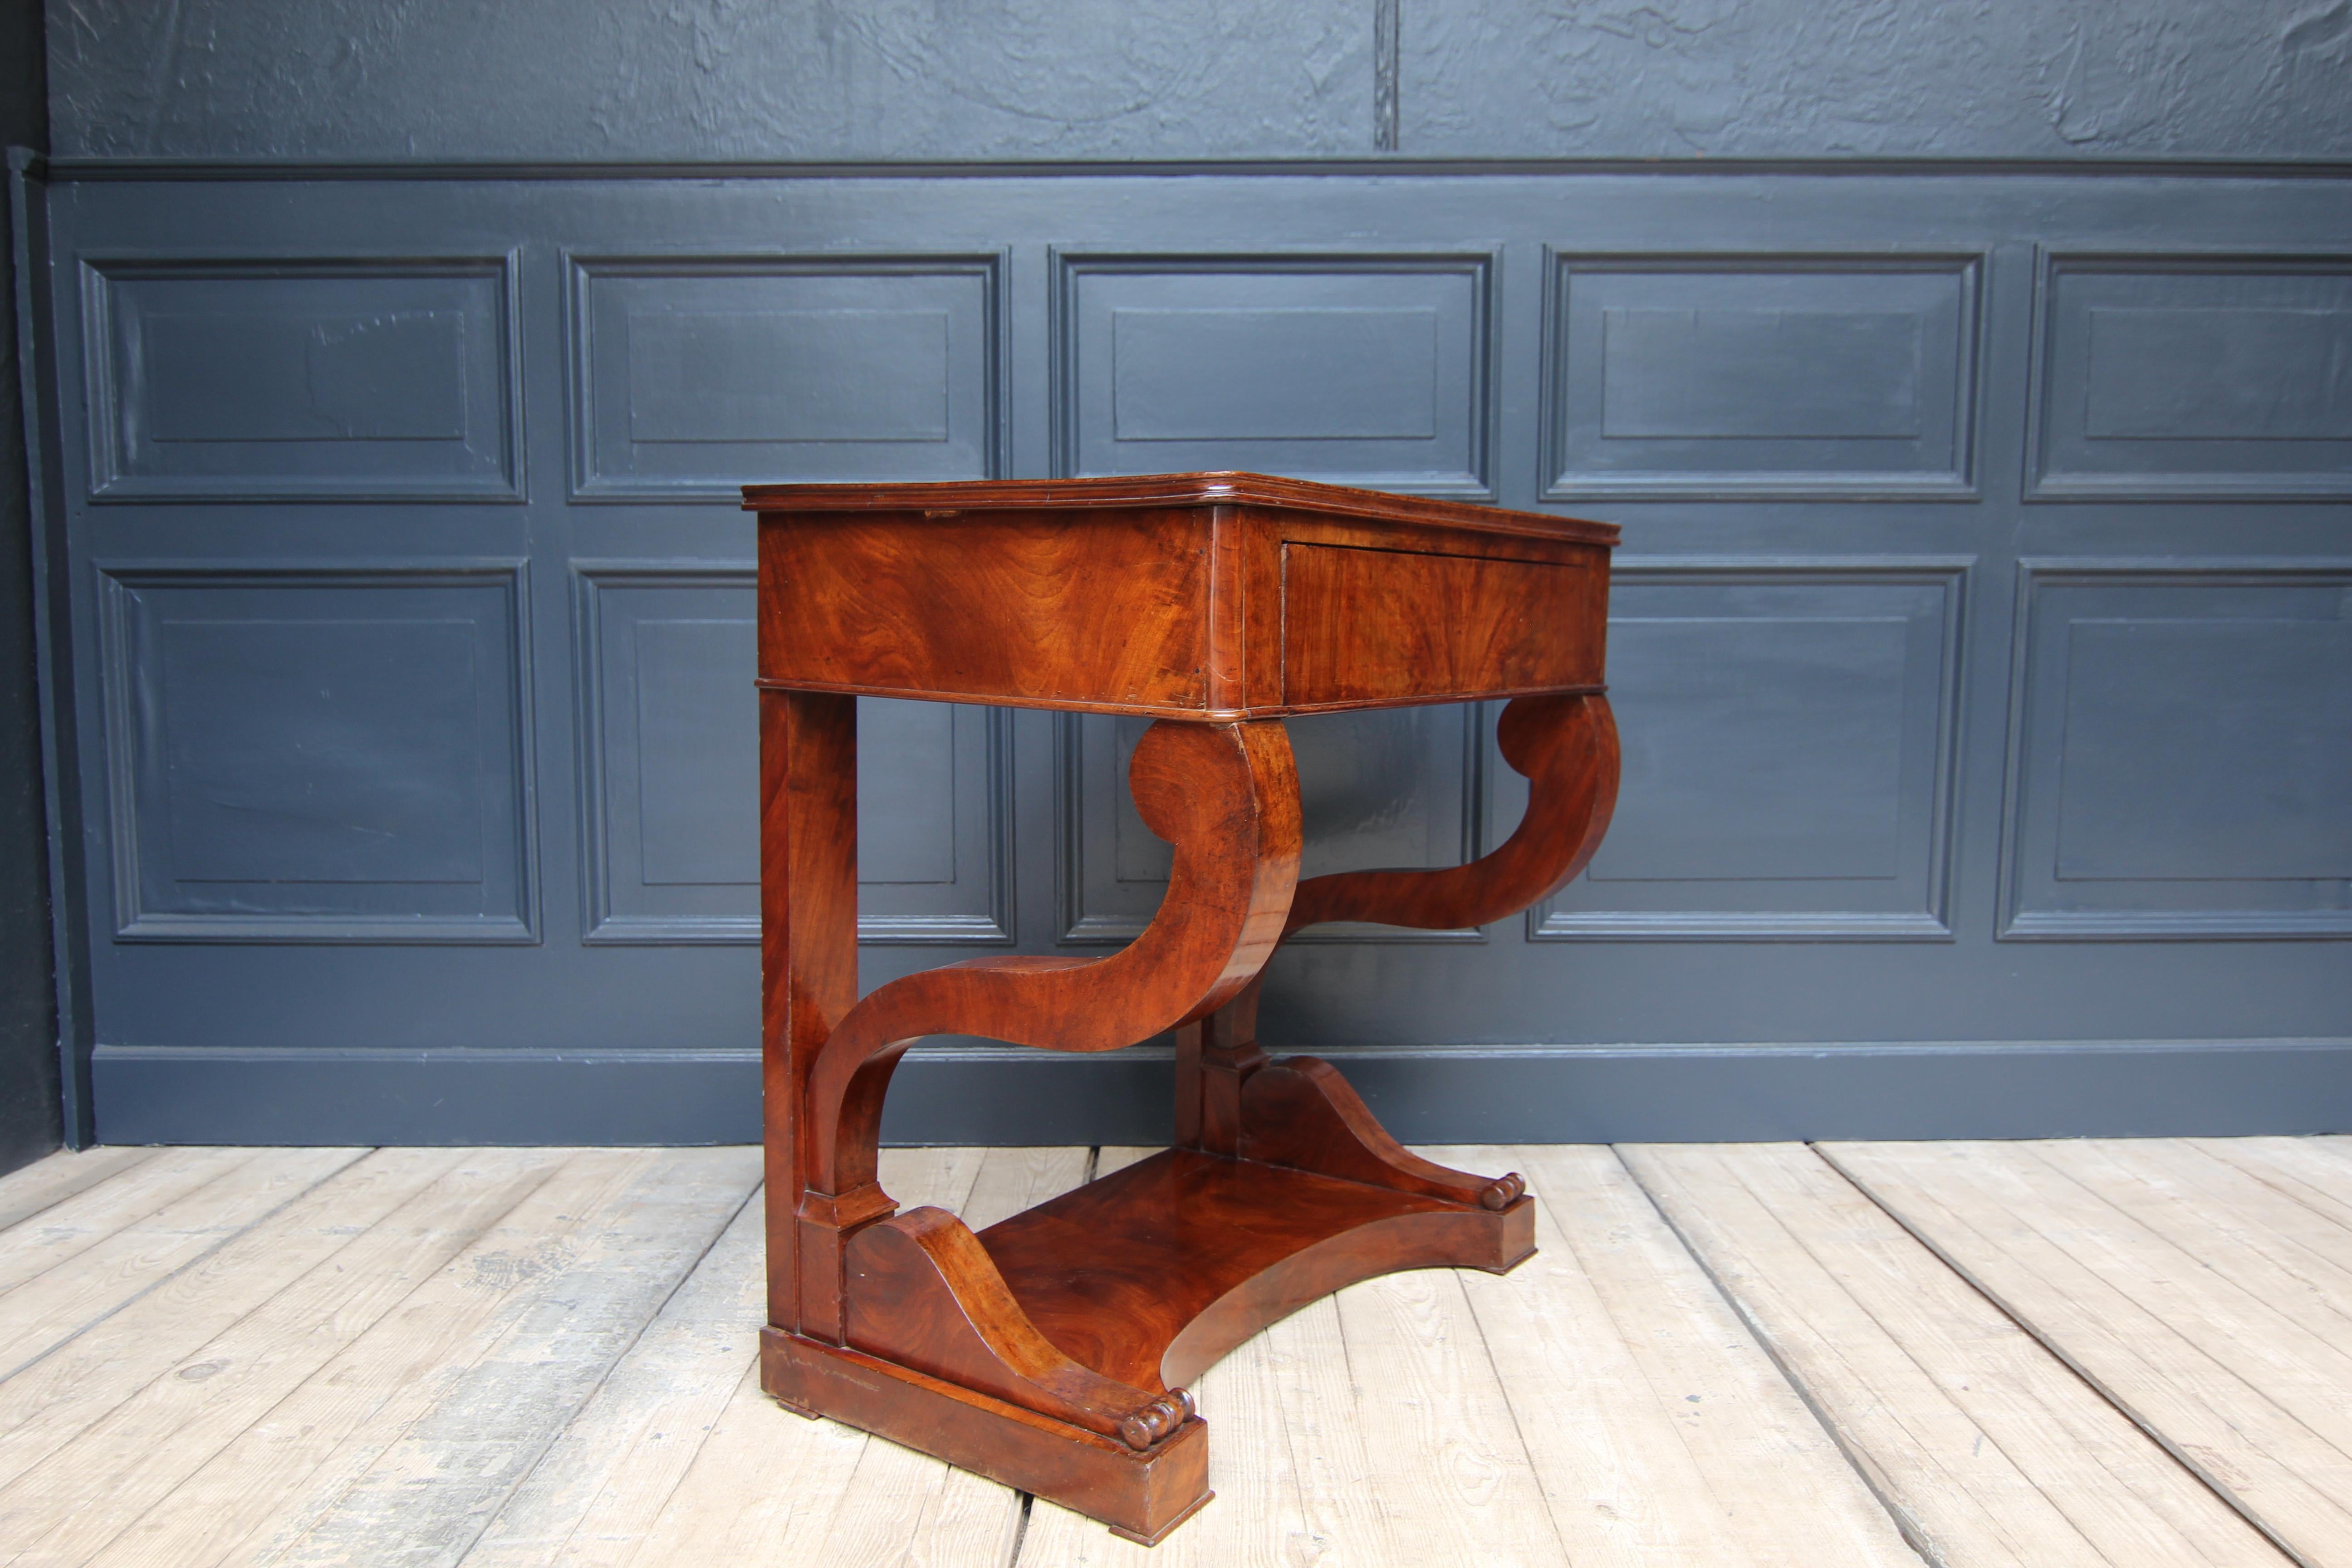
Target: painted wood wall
[1983,635]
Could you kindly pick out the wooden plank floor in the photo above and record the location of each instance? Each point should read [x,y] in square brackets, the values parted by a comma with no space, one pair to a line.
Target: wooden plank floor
[1726,1356]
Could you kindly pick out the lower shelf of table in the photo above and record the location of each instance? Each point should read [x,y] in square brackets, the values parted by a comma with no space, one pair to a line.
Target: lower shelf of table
[1152,1273]
[1148,1276]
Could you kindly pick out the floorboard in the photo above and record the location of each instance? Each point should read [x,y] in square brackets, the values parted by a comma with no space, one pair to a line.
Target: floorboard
[78,1221]
[129,1253]
[98,1471]
[49,1181]
[2060,1355]
[1669,1435]
[2313,1173]
[2112,1277]
[243,1473]
[1986,1449]
[458,1458]
[597,1491]
[300,1263]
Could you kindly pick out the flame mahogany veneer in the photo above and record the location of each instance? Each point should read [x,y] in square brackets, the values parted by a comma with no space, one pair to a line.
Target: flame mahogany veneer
[1052,1350]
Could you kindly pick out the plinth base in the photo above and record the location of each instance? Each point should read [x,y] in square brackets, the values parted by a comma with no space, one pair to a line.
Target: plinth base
[1148,1276]
[1141,1496]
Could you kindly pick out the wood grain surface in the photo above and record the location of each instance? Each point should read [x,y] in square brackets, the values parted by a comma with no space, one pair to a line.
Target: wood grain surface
[1052,1353]
[1010,607]
[1200,595]
[1366,625]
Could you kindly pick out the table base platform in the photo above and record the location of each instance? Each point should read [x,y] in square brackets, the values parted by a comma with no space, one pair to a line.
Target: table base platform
[1148,1276]
[1140,1496]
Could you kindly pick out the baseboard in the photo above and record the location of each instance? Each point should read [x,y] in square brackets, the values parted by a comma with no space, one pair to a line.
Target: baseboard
[1477,1094]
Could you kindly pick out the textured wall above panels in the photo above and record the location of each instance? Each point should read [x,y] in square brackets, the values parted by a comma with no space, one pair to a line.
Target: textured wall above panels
[695,376]
[2192,377]
[1361,370]
[670,774]
[1788,733]
[318,753]
[914,80]
[2180,751]
[1728,376]
[1387,787]
[265,380]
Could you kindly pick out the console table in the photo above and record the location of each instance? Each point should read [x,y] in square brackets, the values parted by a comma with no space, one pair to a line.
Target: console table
[1050,1351]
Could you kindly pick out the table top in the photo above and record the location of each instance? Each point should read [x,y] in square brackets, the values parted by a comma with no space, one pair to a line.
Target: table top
[1207,596]
[1108,493]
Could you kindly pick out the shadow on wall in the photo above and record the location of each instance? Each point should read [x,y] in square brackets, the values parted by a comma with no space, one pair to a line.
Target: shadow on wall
[29,1125]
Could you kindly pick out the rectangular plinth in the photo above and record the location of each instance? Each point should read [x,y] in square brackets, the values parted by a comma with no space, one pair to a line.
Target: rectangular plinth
[1191,596]
[1141,1496]
[1158,1268]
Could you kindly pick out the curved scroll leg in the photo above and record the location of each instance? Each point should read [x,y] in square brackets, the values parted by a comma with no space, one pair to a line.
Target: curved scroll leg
[904,1324]
[1299,1112]
[1226,796]
[1567,748]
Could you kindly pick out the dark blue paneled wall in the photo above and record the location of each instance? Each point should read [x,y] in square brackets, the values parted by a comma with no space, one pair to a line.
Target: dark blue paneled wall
[1979,646]
[1980,637]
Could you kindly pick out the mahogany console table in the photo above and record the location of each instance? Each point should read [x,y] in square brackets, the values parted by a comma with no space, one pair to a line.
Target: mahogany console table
[1050,1351]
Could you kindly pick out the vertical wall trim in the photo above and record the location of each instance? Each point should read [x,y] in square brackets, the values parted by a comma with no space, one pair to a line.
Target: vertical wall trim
[28,201]
[1385,67]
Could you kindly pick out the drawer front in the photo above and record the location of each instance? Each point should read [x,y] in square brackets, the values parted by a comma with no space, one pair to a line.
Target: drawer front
[1021,608]
[1387,625]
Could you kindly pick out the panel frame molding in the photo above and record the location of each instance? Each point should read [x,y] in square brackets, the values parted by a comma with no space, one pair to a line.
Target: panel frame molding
[1067,264]
[2050,262]
[601,927]
[581,264]
[1962,483]
[108,482]
[2016,924]
[132,923]
[1954,573]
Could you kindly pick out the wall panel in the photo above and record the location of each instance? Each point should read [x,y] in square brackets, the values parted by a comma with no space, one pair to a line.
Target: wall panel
[670,772]
[1789,735]
[2220,377]
[1393,787]
[2181,751]
[319,754]
[693,376]
[1365,370]
[263,380]
[1723,376]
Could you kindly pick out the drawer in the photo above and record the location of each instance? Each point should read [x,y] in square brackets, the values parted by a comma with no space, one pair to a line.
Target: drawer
[1370,625]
